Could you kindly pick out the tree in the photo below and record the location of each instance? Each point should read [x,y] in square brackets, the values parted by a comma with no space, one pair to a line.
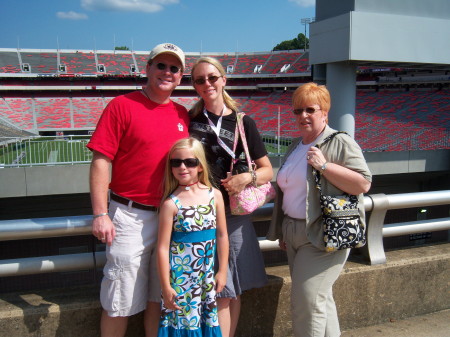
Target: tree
[122,48]
[295,43]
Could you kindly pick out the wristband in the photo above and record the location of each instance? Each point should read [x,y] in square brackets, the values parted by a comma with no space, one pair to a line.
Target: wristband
[99,215]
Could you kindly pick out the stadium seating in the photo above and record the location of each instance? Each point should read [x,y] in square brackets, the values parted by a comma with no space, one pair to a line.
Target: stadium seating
[40,63]
[79,62]
[300,65]
[188,102]
[19,112]
[53,113]
[246,63]
[398,120]
[279,60]
[9,63]
[385,121]
[117,63]
[87,111]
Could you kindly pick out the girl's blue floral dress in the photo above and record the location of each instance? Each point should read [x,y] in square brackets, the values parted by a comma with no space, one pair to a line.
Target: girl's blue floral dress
[192,252]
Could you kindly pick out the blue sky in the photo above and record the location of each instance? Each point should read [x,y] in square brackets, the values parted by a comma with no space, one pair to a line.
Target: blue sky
[194,25]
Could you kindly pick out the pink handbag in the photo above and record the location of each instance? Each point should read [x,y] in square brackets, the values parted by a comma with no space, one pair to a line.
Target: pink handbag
[251,197]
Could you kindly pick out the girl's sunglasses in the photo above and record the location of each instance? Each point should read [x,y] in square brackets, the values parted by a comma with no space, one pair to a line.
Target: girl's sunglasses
[188,162]
[211,79]
[162,66]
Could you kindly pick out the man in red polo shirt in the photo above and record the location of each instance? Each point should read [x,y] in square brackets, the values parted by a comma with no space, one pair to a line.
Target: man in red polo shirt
[133,136]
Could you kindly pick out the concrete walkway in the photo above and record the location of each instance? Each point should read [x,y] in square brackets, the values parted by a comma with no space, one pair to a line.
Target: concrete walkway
[431,325]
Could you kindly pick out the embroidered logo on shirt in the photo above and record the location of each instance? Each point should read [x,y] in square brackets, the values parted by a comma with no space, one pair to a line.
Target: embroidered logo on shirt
[180,127]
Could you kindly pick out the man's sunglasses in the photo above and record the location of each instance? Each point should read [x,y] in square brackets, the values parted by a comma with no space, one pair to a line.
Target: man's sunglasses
[188,162]
[211,79]
[308,110]
[162,66]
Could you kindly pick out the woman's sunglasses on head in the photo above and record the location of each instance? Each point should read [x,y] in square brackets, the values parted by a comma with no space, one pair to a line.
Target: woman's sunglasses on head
[188,162]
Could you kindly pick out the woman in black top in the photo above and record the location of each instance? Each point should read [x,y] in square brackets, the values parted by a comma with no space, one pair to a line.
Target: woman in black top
[213,122]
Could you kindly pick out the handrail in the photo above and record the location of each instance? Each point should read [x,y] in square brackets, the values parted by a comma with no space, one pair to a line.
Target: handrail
[377,204]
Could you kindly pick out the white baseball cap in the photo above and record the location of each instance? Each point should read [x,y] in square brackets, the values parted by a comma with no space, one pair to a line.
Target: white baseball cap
[168,48]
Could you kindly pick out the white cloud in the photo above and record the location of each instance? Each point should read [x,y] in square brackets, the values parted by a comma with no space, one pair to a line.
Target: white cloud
[148,6]
[71,15]
[304,3]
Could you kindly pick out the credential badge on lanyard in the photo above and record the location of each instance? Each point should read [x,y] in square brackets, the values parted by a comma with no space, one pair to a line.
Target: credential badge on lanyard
[216,129]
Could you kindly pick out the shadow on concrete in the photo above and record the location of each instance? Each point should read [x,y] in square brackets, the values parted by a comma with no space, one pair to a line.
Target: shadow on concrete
[35,311]
[260,309]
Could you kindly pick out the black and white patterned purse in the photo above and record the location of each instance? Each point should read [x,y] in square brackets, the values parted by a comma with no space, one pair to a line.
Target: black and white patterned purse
[342,225]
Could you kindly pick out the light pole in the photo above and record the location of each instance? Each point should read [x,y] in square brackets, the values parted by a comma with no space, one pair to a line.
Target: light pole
[306,21]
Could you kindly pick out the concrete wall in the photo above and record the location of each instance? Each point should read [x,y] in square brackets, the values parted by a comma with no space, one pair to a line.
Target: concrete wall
[412,282]
[43,180]
[72,179]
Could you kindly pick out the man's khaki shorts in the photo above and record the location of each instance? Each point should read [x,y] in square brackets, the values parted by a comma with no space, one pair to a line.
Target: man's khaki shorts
[130,273]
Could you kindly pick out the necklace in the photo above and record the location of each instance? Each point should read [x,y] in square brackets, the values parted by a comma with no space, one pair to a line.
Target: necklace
[143,91]
[188,187]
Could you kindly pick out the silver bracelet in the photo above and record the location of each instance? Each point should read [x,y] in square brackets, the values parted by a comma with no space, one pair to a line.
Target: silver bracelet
[99,215]
[254,177]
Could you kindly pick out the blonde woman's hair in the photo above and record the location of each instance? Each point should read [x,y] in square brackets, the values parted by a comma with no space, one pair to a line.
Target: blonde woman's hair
[229,102]
[311,93]
[192,144]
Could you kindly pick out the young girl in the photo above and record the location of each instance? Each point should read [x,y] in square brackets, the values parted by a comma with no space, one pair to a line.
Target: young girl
[191,221]
[213,121]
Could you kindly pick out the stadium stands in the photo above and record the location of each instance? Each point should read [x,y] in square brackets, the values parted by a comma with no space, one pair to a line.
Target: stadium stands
[19,112]
[247,63]
[54,90]
[280,62]
[10,133]
[9,62]
[300,64]
[86,111]
[117,63]
[53,113]
[407,120]
[43,63]
[79,62]
[130,63]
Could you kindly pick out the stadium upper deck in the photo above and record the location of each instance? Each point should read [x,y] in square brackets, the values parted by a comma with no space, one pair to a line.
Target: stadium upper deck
[31,62]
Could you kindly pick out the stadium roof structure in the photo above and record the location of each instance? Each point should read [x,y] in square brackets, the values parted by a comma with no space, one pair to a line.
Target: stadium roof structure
[382,33]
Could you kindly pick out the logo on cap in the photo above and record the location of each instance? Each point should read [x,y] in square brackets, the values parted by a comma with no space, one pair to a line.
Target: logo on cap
[170,47]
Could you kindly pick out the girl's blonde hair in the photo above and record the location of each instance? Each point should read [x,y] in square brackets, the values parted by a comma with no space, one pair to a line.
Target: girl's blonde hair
[229,102]
[192,144]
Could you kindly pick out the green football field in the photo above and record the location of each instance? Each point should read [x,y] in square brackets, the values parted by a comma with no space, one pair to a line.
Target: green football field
[44,151]
[72,150]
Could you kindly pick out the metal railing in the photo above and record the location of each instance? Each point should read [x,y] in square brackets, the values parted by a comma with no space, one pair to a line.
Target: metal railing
[377,204]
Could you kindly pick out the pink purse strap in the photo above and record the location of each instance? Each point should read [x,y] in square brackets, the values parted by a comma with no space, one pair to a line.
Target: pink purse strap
[240,131]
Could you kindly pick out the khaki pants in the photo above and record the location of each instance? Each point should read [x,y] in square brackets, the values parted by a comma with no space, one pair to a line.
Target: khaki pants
[313,273]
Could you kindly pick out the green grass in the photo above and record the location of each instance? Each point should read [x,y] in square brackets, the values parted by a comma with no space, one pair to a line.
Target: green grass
[45,151]
[271,144]
[50,150]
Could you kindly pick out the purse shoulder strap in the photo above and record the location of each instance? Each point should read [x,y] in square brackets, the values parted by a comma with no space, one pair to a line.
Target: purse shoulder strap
[330,137]
[316,173]
[241,132]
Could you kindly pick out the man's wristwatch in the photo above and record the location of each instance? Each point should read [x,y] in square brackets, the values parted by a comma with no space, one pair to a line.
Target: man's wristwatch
[324,166]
